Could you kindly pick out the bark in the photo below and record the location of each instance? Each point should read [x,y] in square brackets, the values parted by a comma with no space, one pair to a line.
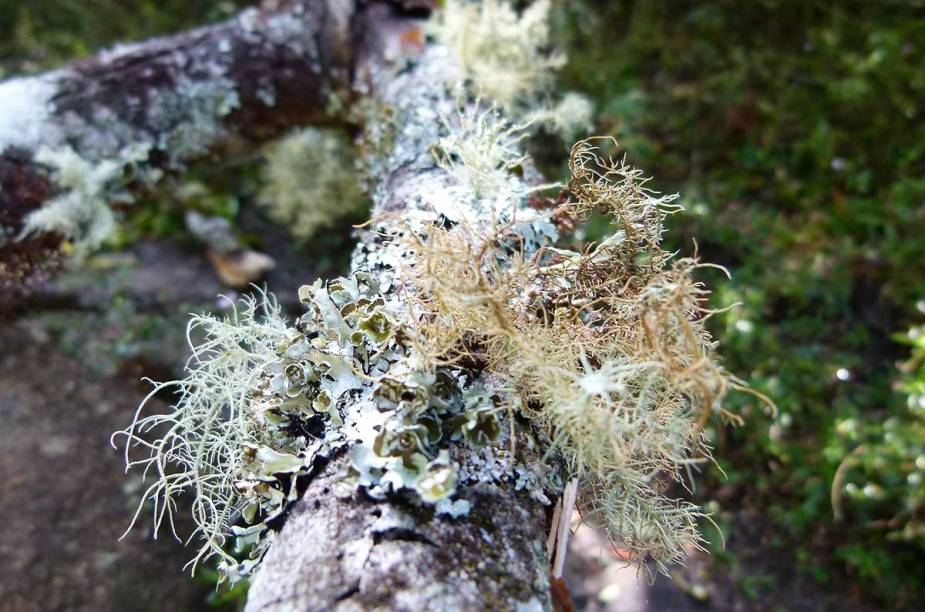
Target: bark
[353,553]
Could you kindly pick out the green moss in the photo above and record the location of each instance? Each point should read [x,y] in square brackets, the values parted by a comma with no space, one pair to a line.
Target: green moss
[789,129]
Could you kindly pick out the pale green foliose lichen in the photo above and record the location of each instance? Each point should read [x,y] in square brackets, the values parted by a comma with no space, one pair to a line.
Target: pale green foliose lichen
[262,400]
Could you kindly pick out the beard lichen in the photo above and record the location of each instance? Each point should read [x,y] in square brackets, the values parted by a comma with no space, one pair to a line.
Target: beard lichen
[604,349]
[504,53]
[482,152]
[220,442]
[258,407]
[506,56]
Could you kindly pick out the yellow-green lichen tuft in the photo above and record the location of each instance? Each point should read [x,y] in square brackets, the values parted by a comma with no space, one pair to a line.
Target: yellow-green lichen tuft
[310,181]
[606,347]
[503,52]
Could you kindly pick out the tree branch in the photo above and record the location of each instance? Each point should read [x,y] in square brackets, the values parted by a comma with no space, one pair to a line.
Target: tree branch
[243,81]
[176,99]
[348,552]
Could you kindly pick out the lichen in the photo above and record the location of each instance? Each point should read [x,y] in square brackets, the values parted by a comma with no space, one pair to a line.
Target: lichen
[24,109]
[504,53]
[605,347]
[481,150]
[468,333]
[237,425]
[81,212]
[569,117]
[188,118]
[225,432]
[262,400]
[310,181]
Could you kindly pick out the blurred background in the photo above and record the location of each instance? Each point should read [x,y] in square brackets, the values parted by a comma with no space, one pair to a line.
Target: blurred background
[793,132]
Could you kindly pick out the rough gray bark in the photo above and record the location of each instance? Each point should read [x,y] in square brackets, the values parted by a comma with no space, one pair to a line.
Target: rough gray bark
[352,553]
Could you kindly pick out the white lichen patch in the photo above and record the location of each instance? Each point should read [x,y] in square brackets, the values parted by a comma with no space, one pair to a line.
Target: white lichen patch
[188,118]
[310,181]
[80,213]
[24,110]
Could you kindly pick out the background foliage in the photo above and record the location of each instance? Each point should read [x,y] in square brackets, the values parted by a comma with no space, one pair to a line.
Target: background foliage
[38,34]
[794,133]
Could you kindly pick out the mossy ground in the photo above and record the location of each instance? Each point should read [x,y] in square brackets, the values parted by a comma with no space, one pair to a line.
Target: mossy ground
[793,132]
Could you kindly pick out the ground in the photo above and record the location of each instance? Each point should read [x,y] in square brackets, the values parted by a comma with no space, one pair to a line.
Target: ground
[754,575]
[64,495]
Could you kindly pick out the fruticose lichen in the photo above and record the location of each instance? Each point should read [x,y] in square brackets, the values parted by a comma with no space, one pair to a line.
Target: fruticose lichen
[81,211]
[482,151]
[504,53]
[310,181]
[185,120]
[569,117]
[603,348]
[263,401]
[467,333]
